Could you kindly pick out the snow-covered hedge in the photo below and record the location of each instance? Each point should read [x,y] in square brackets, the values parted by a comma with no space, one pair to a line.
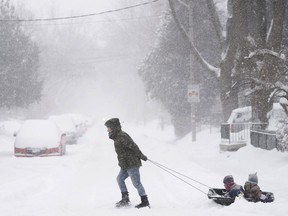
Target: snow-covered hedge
[282,135]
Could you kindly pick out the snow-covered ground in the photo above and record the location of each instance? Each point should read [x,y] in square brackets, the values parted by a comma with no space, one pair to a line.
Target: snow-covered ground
[83,182]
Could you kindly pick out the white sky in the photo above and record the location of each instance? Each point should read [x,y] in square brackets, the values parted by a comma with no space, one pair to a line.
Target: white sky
[65,6]
[91,100]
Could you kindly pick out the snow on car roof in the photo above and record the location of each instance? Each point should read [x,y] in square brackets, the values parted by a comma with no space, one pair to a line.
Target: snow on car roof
[242,109]
[37,134]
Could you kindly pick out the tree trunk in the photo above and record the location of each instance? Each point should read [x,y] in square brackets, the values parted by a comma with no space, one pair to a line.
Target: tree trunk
[234,41]
[262,102]
[258,31]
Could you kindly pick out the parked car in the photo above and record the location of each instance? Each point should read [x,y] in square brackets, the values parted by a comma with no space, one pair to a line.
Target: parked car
[243,115]
[39,138]
[238,117]
[81,122]
[67,127]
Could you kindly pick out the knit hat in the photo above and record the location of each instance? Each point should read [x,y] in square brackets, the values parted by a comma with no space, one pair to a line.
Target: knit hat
[113,123]
[253,178]
[228,179]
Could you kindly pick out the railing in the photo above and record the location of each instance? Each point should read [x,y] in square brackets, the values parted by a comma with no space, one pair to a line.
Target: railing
[238,132]
[264,139]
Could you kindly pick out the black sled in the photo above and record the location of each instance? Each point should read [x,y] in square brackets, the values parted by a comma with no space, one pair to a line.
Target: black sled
[269,198]
[217,195]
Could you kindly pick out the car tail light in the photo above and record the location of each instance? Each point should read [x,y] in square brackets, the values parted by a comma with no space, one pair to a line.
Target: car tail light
[36,151]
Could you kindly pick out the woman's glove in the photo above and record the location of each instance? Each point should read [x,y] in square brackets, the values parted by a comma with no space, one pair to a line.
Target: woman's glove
[144,158]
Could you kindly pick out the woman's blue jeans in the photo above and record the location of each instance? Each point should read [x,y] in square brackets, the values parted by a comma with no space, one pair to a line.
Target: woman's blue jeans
[134,174]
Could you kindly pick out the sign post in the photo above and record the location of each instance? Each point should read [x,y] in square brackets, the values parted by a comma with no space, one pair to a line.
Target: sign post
[193,94]
[193,98]
[193,90]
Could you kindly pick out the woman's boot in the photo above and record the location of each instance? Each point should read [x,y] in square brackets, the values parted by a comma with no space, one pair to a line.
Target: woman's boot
[144,202]
[124,201]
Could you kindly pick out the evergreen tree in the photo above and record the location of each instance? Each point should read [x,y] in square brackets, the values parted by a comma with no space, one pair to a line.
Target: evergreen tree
[19,61]
[166,71]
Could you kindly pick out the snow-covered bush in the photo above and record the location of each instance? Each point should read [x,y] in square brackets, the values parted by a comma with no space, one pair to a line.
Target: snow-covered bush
[282,135]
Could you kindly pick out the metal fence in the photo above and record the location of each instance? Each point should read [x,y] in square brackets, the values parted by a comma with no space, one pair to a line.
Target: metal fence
[238,132]
[264,139]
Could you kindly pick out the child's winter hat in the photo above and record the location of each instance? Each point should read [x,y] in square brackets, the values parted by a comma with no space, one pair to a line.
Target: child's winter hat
[253,178]
[228,179]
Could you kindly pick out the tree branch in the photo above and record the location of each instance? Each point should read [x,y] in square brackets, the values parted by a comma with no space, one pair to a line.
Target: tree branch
[259,52]
[274,38]
[214,18]
[192,47]
[184,3]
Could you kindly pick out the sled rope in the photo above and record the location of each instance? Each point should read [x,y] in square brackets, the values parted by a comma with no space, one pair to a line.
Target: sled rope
[172,172]
[157,164]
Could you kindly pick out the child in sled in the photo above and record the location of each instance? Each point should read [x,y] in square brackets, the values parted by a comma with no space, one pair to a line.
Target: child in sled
[226,196]
[252,191]
[233,189]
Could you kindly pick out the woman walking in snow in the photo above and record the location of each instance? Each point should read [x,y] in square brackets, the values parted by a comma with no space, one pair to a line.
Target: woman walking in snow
[129,159]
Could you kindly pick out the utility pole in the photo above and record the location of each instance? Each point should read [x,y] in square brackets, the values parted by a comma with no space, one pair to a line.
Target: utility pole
[193,98]
[193,89]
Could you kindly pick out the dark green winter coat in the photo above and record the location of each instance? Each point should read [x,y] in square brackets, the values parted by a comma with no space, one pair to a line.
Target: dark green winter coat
[128,153]
[252,191]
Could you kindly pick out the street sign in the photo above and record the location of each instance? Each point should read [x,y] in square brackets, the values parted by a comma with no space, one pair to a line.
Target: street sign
[193,94]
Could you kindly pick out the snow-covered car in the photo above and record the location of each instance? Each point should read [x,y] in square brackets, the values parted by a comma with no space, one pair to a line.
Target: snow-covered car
[238,118]
[39,138]
[67,127]
[81,122]
[241,115]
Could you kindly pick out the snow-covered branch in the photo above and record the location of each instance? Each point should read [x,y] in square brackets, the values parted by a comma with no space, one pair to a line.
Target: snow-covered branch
[278,89]
[183,3]
[266,51]
[192,47]
[259,85]
[282,86]
[269,30]
[216,21]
